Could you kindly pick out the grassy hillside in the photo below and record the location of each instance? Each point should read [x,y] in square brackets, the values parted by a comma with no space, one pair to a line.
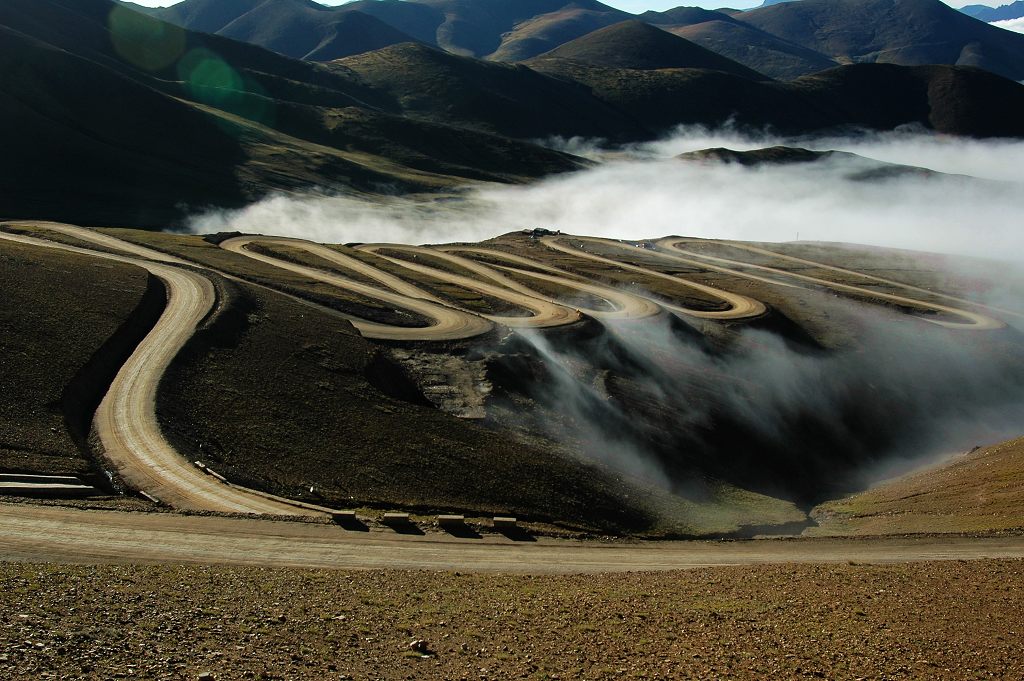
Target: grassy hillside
[467,27]
[505,99]
[545,32]
[637,45]
[980,491]
[308,34]
[910,32]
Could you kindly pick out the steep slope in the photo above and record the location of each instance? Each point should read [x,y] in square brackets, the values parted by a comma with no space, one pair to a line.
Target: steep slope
[205,16]
[466,27]
[501,98]
[910,32]
[636,45]
[545,32]
[479,27]
[306,30]
[754,48]
[67,152]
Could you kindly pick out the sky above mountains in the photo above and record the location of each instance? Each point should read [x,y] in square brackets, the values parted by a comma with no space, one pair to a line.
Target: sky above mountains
[637,6]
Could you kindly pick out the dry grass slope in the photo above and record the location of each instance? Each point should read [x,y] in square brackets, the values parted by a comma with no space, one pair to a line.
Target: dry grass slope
[981,491]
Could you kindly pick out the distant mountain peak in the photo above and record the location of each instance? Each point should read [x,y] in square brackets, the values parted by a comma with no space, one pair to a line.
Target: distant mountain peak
[635,44]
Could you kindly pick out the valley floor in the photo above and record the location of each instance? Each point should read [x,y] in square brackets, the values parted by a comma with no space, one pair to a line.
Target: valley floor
[949,619]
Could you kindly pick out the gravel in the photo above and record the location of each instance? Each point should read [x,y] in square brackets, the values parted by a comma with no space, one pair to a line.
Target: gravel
[951,619]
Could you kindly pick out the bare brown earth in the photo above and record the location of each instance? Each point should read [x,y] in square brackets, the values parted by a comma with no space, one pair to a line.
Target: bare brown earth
[945,620]
[980,491]
[44,292]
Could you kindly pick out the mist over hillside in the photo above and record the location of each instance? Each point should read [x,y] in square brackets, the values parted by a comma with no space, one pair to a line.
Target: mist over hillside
[645,191]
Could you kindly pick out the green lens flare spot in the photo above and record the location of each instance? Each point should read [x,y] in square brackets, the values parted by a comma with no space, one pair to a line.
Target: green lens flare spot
[210,80]
[144,41]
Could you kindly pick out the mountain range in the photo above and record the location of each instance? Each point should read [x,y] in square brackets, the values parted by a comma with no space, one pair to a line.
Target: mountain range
[1014,10]
[111,116]
[781,40]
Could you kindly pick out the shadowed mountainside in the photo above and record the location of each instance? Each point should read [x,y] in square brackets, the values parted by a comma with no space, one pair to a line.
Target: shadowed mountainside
[908,32]
[143,120]
[508,30]
[503,98]
[310,36]
[955,100]
[754,48]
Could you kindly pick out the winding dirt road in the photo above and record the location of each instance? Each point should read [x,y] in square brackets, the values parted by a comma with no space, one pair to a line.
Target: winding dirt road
[623,305]
[126,418]
[546,313]
[37,533]
[447,323]
[973,320]
[740,306]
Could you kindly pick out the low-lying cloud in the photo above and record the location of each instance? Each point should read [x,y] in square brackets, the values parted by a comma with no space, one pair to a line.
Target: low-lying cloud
[644,192]
[1016,25]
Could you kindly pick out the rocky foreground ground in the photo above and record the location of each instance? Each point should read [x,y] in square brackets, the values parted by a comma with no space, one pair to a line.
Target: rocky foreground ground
[957,620]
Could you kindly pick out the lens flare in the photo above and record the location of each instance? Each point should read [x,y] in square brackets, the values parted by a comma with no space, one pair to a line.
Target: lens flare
[144,41]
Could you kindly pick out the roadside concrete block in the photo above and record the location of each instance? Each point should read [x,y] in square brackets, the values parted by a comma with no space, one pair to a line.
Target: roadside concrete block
[395,519]
[451,520]
[505,522]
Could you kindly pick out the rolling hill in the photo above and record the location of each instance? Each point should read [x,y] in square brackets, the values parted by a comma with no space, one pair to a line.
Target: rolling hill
[908,32]
[507,30]
[636,45]
[309,36]
[300,29]
[547,31]
[505,99]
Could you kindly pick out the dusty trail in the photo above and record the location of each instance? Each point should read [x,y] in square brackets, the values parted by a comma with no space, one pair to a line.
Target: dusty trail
[863,275]
[446,323]
[41,533]
[126,418]
[740,306]
[546,313]
[974,320]
[624,305]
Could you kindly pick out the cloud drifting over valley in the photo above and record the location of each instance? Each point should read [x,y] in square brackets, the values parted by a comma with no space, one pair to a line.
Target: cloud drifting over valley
[645,192]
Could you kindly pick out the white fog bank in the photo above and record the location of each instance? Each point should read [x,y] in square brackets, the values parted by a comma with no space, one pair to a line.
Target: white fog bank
[646,193]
